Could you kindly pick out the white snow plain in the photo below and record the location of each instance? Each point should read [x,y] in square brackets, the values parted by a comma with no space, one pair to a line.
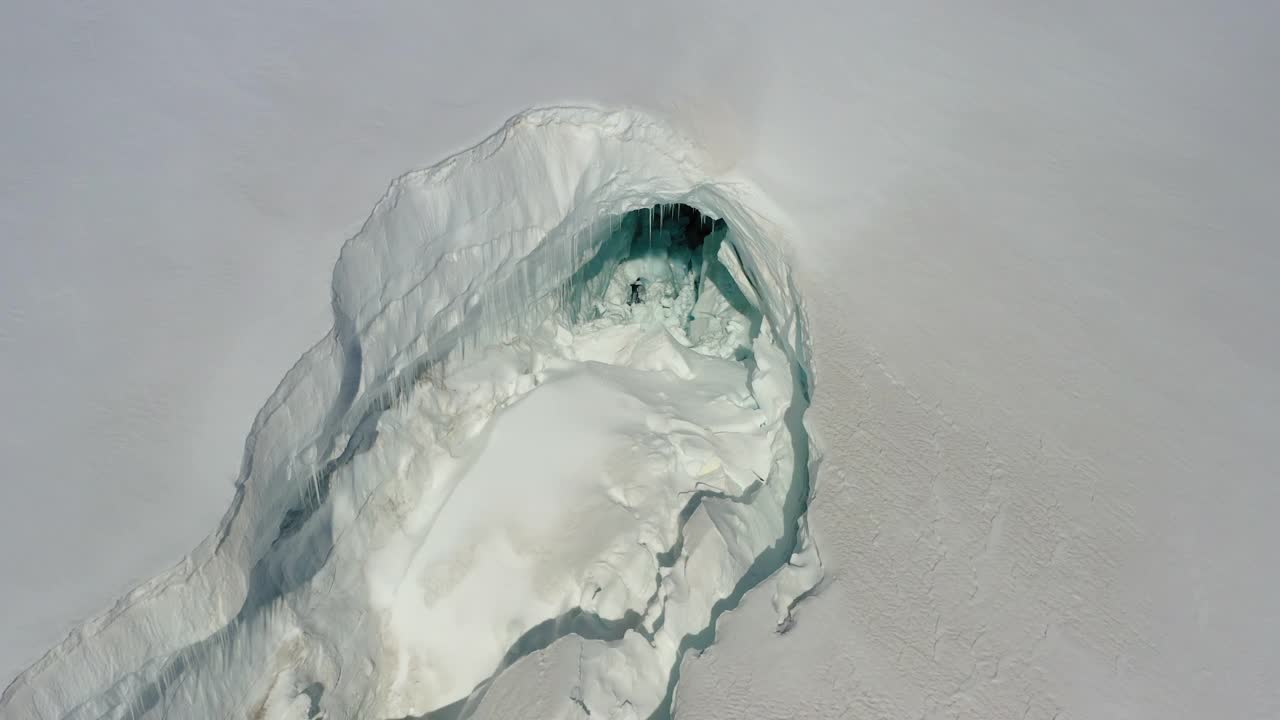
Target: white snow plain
[1035,246]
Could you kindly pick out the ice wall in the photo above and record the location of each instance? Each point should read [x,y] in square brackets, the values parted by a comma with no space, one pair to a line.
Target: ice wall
[458,255]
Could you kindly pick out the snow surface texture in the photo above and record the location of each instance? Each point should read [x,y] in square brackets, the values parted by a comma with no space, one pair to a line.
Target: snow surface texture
[539,413]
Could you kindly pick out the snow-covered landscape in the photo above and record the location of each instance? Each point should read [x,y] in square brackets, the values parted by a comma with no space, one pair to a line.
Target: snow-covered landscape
[825,361]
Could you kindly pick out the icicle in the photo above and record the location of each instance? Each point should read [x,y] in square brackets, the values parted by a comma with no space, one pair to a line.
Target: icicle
[302,490]
[650,230]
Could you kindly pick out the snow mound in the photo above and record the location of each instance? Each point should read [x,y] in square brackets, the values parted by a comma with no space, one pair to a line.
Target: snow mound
[500,445]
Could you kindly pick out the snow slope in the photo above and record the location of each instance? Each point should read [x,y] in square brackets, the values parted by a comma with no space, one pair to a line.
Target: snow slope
[1034,244]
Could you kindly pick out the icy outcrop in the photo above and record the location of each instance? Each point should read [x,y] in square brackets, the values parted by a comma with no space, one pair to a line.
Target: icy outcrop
[375,526]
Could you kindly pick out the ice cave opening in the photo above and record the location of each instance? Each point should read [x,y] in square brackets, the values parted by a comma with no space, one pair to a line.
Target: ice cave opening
[655,267]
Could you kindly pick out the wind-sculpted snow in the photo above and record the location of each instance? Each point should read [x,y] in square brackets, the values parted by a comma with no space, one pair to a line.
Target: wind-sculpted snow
[497,446]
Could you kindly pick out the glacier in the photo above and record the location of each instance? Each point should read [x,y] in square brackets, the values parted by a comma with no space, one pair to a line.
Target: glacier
[1032,244]
[500,445]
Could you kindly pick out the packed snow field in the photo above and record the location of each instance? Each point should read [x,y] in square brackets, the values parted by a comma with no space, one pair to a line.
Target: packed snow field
[569,414]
